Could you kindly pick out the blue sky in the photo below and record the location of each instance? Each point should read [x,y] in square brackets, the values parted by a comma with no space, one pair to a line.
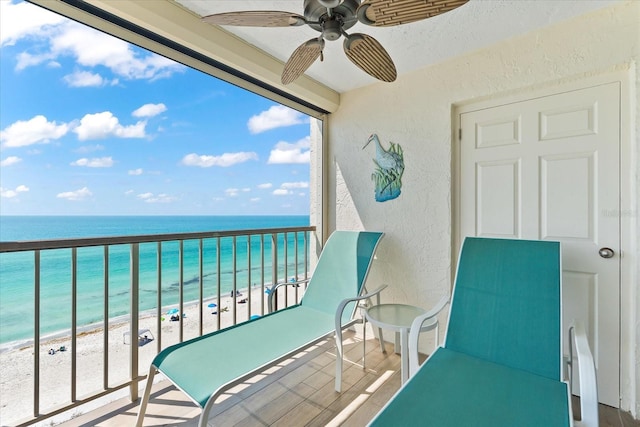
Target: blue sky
[91,125]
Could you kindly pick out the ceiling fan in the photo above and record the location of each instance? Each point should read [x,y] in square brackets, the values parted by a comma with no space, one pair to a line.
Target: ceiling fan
[332,18]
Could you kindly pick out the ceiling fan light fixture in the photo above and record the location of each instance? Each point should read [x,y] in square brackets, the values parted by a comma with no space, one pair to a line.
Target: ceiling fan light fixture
[332,28]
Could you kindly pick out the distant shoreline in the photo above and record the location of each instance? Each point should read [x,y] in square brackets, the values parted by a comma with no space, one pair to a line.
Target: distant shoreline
[98,326]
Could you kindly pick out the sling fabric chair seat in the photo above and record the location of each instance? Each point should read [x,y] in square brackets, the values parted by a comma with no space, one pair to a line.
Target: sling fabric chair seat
[204,367]
[454,389]
[501,362]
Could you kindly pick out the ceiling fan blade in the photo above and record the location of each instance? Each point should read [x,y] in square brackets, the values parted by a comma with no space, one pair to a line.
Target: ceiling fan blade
[387,13]
[256,18]
[369,55]
[301,59]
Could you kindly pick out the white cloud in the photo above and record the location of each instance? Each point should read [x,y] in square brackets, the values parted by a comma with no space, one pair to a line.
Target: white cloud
[149,110]
[11,160]
[160,198]
[286,188]
[289,185]
[105,124]
[254,199]
[77,195]
[285,153]
[8,193]
[24,20]
[136,171]
[225,160]
[231,192]
[88,47]
[275,117]
[37,130]
[265,186]
[101,162]
[84,79]
[24,60]
[128,192]
[90,148]
[92,48]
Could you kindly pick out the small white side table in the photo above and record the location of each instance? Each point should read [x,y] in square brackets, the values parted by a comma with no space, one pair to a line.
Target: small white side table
[398,318]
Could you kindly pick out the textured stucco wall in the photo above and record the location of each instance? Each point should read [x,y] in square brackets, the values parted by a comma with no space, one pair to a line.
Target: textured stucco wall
[416,112]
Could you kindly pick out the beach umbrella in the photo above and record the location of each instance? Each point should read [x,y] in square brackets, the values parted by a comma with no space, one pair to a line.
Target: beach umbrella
[173,311]
[212,305]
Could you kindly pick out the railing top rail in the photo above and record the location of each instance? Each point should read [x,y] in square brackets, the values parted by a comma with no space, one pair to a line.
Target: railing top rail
[31,245]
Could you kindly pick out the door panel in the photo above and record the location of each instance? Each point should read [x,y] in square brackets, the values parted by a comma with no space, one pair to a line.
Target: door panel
[498,199]
[567,199]
[548,168]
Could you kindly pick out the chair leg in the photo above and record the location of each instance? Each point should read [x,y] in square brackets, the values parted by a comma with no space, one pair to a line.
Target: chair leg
[145,397]
[204,416]
[339,356]
[364,342]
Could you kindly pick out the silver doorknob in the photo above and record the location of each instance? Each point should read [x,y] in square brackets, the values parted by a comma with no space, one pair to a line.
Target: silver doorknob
[606,252]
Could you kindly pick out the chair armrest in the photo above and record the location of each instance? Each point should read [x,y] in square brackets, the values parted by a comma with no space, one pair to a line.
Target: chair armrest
[275,287]
[587,375]
[344,302]
[416,328]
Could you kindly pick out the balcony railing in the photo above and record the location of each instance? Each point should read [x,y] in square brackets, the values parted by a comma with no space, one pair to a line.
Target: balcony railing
[160,271]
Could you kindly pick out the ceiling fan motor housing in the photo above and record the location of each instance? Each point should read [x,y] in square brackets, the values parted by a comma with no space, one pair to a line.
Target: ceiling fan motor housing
[331,26]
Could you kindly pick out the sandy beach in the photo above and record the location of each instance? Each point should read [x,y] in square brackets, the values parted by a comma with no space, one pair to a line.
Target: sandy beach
[16,364]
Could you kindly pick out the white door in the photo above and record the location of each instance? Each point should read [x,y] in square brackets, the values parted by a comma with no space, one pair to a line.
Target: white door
[548,169]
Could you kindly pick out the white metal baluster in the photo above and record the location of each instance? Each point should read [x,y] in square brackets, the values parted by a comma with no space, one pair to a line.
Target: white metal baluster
[201,281]
[74,321]
[134,320]
[181,288]
[274,267]
[262,298]
[219,280]
[159,298]
[36,334]
[235,282]
[286,269]
[250,289]
[105,327]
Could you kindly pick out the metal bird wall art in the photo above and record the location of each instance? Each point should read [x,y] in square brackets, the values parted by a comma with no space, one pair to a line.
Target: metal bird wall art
[389,169]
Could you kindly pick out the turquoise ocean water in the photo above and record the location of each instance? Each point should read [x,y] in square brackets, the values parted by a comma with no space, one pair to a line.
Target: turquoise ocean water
[17,269]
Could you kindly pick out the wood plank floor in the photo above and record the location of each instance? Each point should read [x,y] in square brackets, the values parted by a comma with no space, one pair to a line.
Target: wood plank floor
[298,392]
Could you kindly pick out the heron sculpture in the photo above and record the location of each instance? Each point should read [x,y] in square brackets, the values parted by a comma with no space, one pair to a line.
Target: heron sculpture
[388,173]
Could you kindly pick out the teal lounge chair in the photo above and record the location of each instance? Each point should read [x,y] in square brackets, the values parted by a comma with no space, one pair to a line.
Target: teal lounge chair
[205,367]
[501,363]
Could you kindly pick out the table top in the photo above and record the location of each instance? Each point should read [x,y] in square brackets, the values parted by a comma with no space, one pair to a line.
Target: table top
[393,316]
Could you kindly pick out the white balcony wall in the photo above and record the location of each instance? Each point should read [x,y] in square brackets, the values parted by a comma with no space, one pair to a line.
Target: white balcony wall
[415,258]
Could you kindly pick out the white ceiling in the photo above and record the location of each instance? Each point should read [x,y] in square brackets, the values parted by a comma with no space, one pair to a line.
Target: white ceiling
[475,25]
